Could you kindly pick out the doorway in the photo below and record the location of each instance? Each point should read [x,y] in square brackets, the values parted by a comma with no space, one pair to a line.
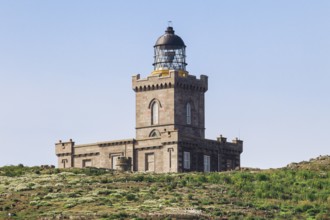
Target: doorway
[150,162]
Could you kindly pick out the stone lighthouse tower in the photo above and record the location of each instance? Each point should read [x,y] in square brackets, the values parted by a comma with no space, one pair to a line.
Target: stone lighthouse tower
[170,123]
[170,105]
[170,99]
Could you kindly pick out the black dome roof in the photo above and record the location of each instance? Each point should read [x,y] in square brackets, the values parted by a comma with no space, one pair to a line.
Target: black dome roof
[170,40]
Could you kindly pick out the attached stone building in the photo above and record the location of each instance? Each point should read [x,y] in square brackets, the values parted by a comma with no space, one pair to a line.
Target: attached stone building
[170,124]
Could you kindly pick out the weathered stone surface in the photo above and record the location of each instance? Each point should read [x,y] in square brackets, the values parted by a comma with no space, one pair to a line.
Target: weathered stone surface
[160,147]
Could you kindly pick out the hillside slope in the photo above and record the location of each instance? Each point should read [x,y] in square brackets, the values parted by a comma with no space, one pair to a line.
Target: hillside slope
[298,191]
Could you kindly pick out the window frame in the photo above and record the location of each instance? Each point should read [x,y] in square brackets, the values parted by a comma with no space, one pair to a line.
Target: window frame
[86,162]
[64,163]
[150,165]
[154,113]
[186,160]
[188,114]
[207,163]
[154,133]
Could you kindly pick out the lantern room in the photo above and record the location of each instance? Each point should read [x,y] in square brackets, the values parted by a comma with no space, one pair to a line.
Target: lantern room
[169,54]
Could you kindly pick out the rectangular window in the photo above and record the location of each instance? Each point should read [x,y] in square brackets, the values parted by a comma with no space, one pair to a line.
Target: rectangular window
[170,157]
[188,114]
[229,164]
[114,161]
[186,160]
[64,162]
[87,163]
[207,163]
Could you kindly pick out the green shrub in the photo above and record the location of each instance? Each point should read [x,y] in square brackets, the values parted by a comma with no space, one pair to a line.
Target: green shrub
[202,178]
[183,183]
[262,177]
[131,197]
[168,179]
[173,200]
[206,202]
[39,203]
[227,179]
[322,216]
[245,176]
[313,211]
[217,213]
[105,192]
[69,205]
[121,215]
[135,189]
[33,203]
[5,208]
[137,178]
[311,196]
[223,201]
[105,180]
[214,178]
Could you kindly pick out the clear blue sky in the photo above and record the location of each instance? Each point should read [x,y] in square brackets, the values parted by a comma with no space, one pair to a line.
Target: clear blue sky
[66,67]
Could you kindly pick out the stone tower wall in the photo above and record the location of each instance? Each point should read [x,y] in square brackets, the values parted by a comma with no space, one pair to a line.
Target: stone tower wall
[154,88]
[173,92]
[65,154]
[190,90]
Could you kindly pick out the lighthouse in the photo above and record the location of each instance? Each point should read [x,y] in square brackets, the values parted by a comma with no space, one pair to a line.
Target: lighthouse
[169,123]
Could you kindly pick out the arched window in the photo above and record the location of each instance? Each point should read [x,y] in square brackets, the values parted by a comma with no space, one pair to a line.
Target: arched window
[188,111]
[154,133]
[154,113]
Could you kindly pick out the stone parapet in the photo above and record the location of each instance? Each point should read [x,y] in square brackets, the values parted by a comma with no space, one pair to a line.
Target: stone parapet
[64,147]
[108,143]
[155,82]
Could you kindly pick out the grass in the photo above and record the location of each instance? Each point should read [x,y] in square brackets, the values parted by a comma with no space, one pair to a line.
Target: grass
[299,191]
